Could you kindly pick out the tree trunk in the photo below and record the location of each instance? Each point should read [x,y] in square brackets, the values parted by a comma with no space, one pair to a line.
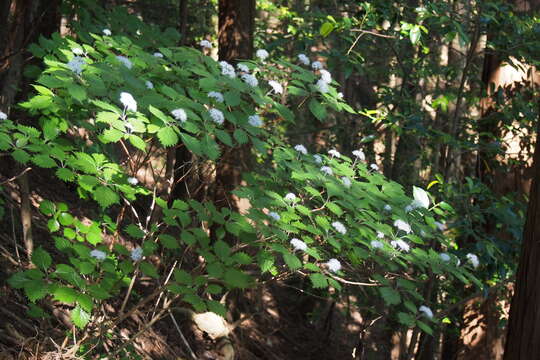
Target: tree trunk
[523,339]
[236,23]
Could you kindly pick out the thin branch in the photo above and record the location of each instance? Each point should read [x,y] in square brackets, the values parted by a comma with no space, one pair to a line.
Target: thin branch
[16,176]
[191,353]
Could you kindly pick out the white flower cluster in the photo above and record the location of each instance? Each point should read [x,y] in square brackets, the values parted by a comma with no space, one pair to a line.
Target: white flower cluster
[255,120]
[158,55]
[301,149]
[243,67]
[3,115]
[317,158]
[316,65]
[217,116]
[262,54]
[402,225]
[346,182]
[290,197]
[359,154]
[427,311]
[334,153]
[125,61]
[136,254]
[387,207]
[376,244]
[333,265]
[128,101]
[107,32]
[216,95]
[274,215]
[340,228]
[380,235]
[327,170]
[298,244]
[303,59]
[473,259]
[205,44]
[179,114]
[251,80]
[132,181]
[98,254]
[444,257]
[227,69]
[78,51]
[278,89]
[76,64]
[374,167]
[149,84]
[402,245]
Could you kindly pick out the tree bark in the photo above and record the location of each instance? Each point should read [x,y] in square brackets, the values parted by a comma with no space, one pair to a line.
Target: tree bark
[236,23]
[523,338]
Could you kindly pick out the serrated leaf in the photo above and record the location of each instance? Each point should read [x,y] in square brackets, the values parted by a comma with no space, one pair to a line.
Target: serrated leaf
[65,174]
[134,231]
[65,294]
[111,135]
[167,136]
[425,327]
[292,261]
[168,241]
[222,249]
[236,278]
[406,319]
[35,289]
[390,296]
[20,156]
[241,136]
[216,307]
[105,196]
[224,137]
[319,281]
[192,144]
[41,258]
[139,143]
[80,317]
[18,280]
[149,269]
[77,92]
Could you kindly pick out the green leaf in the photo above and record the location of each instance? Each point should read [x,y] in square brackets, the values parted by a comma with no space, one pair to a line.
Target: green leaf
[318,280]
[236,278]
[47,207]
[317,109]
[425,327]
[18,280]
[406,319]
[390,296]
[111,135]
[107,117]
[241,136]
[41,258]
[415,34]
[65,174]
[105,196]
[167,136]
[192,144]
[149,269]
[326,29]
[139,143]
[232,98]
[182,276]
[134,231]
[216,307]
[224,137]
[20,156]
[77,92]
[168,241]
[65,294]
[35,289]
[292,261]
[80,317]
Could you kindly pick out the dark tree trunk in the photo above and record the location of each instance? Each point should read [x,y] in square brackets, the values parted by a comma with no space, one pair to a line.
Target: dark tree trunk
[236,22]
[523,339]
[236,25]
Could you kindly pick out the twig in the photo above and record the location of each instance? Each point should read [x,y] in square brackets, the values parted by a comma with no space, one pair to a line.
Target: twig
[16,176]
[341,280]
[374,33]
[135,273]
[193,356]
